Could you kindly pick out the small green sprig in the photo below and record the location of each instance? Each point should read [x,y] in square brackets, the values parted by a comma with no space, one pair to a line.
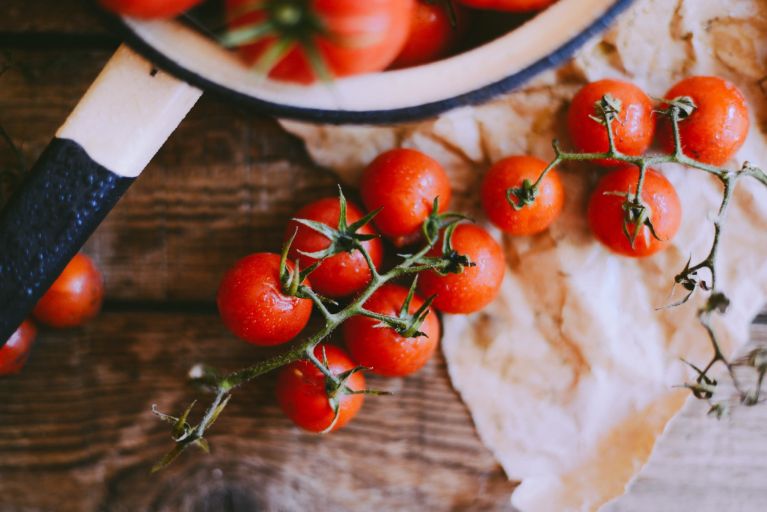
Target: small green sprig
[698,277]
[344,238]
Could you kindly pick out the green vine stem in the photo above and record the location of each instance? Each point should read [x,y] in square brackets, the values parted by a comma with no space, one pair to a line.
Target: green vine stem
[690,278]
[343,239]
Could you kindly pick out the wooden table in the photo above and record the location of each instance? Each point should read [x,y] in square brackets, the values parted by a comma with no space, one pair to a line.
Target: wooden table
[76,431]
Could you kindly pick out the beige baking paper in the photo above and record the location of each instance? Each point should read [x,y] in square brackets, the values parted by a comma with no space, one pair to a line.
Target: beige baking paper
[569,373]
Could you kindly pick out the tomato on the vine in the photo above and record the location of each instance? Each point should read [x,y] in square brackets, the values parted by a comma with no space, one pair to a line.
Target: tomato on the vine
[15,352]
[718,125]
[433,35]
[382,349]
[344,273]
[253,305]
[633,126]
[149,9]
[509,5]
[302,391]
[475,287]
[404,182]
[607,215]
[533,218]
[296,40]
[75,297]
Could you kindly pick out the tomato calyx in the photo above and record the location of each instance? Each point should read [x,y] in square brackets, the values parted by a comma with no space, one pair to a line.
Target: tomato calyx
[637,216]
[606,109]
[524,195]
[679,108]
[336,385]
[436,222]
[291,22]
[405,324]
[292,278]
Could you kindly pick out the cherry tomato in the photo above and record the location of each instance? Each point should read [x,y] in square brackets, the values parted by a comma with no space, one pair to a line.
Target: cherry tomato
[382,349]
[75,297]
[404,182]
[511,172]
[509,5]
[253,306]
[717,127]
[432,35]
[149,9]
[606,214]
[303,394]
[350,36]
[633,127]
[476,286]
[342,274]
[15,352]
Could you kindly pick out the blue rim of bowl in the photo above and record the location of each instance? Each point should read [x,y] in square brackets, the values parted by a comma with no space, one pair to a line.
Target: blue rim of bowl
[398,115]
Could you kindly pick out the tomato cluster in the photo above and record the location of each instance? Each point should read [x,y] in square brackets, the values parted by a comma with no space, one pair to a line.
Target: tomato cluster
[73,299]
[334,245]
[711,132]
[303,41]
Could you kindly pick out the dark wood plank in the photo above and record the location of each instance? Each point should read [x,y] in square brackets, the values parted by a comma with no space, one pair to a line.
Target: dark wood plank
[62,17]
[77,427]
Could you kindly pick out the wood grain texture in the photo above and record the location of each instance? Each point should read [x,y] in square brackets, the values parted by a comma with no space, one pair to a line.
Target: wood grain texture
[78,424]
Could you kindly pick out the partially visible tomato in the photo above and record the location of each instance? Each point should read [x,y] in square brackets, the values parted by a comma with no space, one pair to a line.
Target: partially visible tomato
[633,127]
[476,286]
[606,213]
[149,9]
[718,126]
[432,34]
[303,394]
[382,349]
[253,306]
[75,297]
[350,36]
[509,5]
[510,173]
[342,274]
[404,182]
[15,352]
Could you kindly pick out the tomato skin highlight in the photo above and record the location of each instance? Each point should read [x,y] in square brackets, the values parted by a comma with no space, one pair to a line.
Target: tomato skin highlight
[15,352]
[532,219]
[718,126]
[360,37]
[149,9]
[404,182]
[508,5]
[605,211]
[252,305]
[74,298]
[342,274]
[633,128]
[476,286]
[302,394]
[431,36]
[382,349]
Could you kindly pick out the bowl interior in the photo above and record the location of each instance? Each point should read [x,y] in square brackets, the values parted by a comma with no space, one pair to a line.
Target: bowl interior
[388,96]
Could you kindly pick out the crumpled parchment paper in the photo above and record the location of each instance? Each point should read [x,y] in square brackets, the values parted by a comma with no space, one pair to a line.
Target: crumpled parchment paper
[568,374]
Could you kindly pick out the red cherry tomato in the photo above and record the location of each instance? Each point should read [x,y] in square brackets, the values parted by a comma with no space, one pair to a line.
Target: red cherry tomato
[350,36]
[511,172]
[149,9]
[476,286]
[606,214]
[718,126]
[253,306]
[432,34]
[404,182]
[342,274]
[633,128]
[15,352]
[509,5]
[303,395]
[382,349]
[75,297]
